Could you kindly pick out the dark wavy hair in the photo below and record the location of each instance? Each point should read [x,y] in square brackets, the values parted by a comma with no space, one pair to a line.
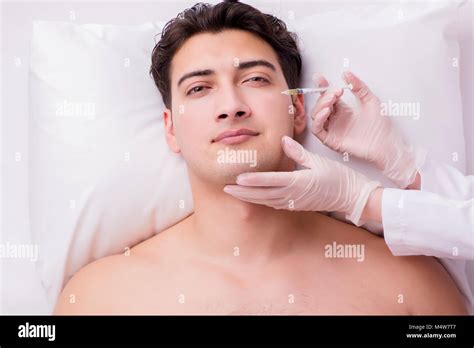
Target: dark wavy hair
[202,18]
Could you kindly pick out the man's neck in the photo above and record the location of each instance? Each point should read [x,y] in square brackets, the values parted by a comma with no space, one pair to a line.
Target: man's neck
[240,232]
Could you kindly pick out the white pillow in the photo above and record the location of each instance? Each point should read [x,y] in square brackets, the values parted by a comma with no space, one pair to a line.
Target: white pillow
[408,55]
[102,177]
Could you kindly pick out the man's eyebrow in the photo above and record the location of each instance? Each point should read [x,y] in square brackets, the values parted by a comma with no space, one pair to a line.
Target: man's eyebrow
[241,66]
[252,63]
[205,72]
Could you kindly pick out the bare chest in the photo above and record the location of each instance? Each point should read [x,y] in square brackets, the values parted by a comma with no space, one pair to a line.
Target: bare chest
[277,298]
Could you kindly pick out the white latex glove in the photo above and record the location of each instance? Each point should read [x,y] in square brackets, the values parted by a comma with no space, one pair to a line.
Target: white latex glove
[325,186]
[364,133]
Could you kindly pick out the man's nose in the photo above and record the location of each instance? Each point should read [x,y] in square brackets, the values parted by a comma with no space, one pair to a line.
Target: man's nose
[232,105]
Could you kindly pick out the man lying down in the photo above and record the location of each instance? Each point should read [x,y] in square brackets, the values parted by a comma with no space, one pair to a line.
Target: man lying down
[220,70]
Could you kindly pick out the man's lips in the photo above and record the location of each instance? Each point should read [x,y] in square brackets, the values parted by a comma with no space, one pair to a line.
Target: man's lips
[235,136]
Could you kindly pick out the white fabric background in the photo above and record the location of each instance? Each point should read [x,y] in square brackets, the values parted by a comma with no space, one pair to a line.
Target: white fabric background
[17,276]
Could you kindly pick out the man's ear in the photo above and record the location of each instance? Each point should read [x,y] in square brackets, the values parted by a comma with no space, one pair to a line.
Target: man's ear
[169,131]
[299,114]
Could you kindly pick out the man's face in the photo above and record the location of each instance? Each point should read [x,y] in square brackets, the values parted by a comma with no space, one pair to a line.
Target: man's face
[238,88]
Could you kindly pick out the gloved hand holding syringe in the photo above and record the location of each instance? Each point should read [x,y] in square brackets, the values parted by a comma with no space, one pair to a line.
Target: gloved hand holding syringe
[296,91]
[328,185]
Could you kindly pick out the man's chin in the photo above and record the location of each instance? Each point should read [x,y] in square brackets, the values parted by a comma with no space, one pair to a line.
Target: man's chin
[232,161]
[227,174]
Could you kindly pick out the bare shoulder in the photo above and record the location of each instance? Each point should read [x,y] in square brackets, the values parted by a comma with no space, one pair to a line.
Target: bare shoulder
[98,287]
[419,283]
[114,284]
[413,284]
[429,288]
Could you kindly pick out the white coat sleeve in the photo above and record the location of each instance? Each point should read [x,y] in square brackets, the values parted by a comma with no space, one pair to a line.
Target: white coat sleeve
[446,181]
[437,221]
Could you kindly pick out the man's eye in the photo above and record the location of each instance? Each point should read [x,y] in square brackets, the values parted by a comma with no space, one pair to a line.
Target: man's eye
[198,89]
[260,78]
[194,90]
